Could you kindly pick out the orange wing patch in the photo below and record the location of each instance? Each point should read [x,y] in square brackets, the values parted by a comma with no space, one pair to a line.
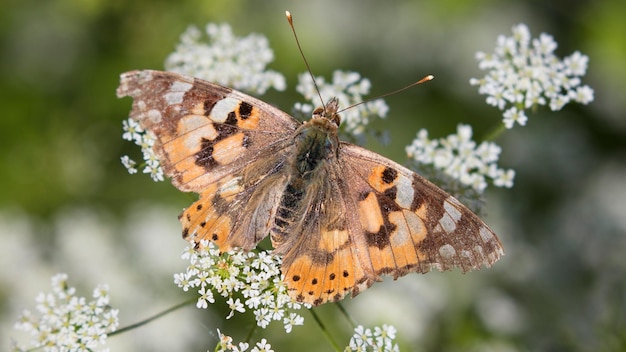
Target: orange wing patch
[207,218]
[329,275]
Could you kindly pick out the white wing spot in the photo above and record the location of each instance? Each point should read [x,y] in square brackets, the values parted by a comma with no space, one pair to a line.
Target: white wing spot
[405,193]
[154,116]
[177,92]
[451,216]
[466,254]
[231,186]
[180,86]
[447,223]
[144,77]
[447,251]
[485,234]
[222,108]
[173,98]
[450,205]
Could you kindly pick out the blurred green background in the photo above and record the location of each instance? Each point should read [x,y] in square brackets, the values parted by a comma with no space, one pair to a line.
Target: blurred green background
[67,205]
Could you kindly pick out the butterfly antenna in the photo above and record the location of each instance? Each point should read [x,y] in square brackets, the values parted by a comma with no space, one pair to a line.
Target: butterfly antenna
[425,79]
[317,89]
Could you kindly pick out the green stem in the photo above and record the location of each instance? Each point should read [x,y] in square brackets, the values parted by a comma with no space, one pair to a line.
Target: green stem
[154,317]
[249,337]
[495,133]
[345,314]
[325,331]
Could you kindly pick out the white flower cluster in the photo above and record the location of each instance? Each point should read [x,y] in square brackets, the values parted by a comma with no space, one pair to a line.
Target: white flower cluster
[226,59]
[523,73]
[380,340]
[144,139]
[68,322]
[256,276]
[349,88]
[226,344]
[460,158]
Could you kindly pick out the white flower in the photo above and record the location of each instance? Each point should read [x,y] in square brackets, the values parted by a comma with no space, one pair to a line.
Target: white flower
[144,139]
[349,88]
[156,173]
[513,115]
[458,156]
[129,164]
[263,317]
[226,344]
[292,320]
[583,95]
[223,58]
[262,346]
[504,178]
[132,130]
[254,277]
[380,340]
[206,297]
[524,73]
[68,322]
[235,305]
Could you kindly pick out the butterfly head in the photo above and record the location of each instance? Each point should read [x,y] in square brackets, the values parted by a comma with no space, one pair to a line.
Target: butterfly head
[328,112]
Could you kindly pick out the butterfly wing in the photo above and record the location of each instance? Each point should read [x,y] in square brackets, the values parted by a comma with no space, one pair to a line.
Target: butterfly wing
[203,131]
[379,218]
[320,257]
[408,223]
[225,145]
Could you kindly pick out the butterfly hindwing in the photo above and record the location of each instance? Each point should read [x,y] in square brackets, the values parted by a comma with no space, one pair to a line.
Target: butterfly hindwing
[236,211]
[320,260]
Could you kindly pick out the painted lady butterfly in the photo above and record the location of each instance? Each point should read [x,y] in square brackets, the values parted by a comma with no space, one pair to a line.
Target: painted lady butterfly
[340,215]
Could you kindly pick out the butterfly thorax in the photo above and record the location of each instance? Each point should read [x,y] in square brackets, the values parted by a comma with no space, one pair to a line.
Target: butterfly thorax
[316,145]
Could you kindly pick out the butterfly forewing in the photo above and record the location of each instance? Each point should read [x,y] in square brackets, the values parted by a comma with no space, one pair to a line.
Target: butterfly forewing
[204,131]
[411,225]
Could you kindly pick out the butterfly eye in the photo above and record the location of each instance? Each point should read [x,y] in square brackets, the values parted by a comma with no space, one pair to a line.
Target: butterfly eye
[318,112]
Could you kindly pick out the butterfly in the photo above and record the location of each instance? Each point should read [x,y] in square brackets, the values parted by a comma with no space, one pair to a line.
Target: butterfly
[340,216]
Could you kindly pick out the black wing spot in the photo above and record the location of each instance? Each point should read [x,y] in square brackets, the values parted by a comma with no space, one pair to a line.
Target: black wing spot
[391,192]
[231,119]
[208,106]
[245,110]
[389,175]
